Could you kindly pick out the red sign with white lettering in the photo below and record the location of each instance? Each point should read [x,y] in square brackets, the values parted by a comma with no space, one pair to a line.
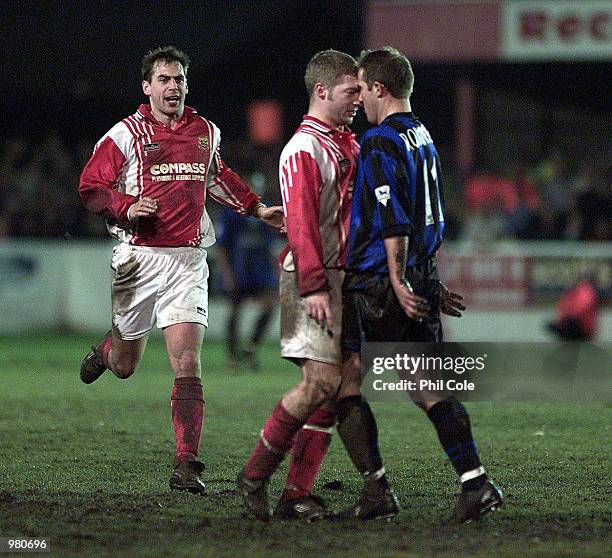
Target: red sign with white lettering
[487,280]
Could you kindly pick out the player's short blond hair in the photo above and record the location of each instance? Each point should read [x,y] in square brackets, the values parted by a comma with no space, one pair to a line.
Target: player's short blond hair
[328,67]
[389,67]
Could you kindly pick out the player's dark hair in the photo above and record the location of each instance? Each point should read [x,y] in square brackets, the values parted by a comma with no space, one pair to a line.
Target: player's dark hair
[389,67]
[328,67]
[167,54]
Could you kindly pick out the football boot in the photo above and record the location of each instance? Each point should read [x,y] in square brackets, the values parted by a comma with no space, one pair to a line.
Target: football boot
[473,504]
[186,476]
[254,496]
[307,508]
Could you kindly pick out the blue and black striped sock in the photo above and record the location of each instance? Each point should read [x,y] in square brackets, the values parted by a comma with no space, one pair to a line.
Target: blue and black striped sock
[452,423]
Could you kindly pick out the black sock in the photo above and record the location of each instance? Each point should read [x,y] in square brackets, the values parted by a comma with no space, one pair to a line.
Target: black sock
[359,434]
[232,331]
[260,327]
[452,423]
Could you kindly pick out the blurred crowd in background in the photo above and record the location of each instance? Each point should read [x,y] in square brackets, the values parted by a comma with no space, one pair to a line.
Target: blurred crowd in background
[555,198]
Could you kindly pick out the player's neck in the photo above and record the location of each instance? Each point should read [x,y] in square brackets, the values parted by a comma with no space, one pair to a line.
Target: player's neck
[169,120]
[391,105]
[321,115]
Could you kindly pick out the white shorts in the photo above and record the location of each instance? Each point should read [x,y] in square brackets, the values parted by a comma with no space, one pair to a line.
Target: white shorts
[162,286]
[301,336]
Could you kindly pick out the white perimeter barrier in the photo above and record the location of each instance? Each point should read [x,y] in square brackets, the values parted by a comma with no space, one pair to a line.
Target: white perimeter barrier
[66,286]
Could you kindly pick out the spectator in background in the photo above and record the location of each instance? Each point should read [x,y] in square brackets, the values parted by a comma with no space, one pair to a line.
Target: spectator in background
[593,203]
[523,213]
[554,186]
[39,180]
[488,197]
[245,256]
[577,312]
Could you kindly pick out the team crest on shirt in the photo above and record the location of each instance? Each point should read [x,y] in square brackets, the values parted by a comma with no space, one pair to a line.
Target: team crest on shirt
[203,143]
[383,194]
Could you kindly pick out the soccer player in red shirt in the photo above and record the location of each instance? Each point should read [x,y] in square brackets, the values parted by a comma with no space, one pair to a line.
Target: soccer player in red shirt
[149,176]
[316,172]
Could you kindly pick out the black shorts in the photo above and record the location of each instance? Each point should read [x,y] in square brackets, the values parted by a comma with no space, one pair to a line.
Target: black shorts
[372,313]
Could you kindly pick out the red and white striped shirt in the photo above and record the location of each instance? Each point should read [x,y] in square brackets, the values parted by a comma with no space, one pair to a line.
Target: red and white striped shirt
[316,172]
[140,157]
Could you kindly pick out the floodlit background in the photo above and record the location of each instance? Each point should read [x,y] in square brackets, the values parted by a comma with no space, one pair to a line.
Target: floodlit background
[516,95]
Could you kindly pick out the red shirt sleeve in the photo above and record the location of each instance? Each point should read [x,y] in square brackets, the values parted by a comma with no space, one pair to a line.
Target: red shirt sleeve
[227,188]
[97,186]
[301,181]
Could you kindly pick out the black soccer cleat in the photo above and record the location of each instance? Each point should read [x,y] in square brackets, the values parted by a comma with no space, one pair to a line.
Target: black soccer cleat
[473,504]
[307,508]
[186,476]
[375,502]
[93,365]
[254,496]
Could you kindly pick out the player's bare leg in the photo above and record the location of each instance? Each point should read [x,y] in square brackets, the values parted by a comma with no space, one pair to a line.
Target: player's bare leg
[183,344]
[359,433]
[320,382]
[119,356]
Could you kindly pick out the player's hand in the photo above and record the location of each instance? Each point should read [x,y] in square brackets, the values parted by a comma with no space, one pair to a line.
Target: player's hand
[272,216]
[319,309]
[144,207]
[450,302]
[414,306]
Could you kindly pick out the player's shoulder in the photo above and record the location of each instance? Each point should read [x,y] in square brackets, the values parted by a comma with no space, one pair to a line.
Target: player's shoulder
[122,134]
[303,141]
[381,137]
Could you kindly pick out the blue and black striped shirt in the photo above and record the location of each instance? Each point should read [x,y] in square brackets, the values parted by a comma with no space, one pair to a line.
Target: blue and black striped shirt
[398,192]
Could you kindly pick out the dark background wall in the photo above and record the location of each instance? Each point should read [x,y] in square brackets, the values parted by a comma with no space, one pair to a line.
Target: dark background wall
[75,65]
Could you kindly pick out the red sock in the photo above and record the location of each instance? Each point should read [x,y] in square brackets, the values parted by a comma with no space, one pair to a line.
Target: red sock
[275,441]
[309,449]
[187,416]
[105,347]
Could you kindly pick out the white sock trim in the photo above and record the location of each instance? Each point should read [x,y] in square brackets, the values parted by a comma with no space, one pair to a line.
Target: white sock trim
[469,475]
[375,475]
[269,446]
[318,428]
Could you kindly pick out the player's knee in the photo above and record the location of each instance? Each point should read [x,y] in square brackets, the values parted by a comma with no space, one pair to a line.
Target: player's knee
[320,390]
[187,365]
[124,369]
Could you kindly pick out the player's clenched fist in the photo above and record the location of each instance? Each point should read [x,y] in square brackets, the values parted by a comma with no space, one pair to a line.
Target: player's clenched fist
[144,207]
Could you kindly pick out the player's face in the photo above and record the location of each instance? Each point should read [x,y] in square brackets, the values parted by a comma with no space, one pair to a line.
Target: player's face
[368,98]
[343,101]
[167,89]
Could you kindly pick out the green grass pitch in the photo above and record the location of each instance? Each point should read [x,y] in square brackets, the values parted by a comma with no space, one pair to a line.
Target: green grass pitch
[88,467]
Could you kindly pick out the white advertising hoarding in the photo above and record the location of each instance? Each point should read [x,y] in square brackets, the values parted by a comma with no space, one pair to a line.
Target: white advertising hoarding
[556,30]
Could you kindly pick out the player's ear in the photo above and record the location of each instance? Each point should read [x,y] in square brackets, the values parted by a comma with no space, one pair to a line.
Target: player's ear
[379,88]
[320,90]
[146,87]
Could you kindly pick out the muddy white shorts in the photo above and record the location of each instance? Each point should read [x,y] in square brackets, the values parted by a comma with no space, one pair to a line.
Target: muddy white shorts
[162,286]
[301,336]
